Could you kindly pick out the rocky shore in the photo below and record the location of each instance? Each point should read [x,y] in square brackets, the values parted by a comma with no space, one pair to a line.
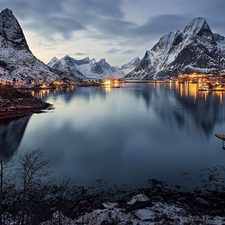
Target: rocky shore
[14,103]
[156,205]
[68,204]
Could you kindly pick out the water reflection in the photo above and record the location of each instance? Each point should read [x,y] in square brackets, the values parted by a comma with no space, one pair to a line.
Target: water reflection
[11,134]
[45,93]
[185,105]
[180,103]
[129,134]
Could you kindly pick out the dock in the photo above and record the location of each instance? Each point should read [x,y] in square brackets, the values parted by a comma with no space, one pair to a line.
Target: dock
[221,137]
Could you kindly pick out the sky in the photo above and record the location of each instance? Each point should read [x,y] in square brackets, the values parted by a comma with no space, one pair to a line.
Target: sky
[117,30]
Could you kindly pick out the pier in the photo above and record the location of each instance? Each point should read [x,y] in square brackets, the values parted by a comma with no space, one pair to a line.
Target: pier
[222,137]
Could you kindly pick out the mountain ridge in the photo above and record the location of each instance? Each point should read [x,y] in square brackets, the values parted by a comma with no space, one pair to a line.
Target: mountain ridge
[90,68]
[195,49]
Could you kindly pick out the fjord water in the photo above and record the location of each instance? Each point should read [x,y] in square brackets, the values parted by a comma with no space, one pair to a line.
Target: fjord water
[130,134]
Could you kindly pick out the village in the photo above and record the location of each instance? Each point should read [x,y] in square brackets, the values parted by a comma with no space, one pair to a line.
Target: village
[64,83]
[207,82]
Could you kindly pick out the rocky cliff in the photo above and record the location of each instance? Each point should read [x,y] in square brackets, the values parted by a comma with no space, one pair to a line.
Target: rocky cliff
[195,49]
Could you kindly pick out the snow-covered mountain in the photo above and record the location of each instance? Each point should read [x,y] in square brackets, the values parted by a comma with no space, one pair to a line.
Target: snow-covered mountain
[126,68]
[52,62]
[92,69]
[67,64]
[16,59]
[195,49]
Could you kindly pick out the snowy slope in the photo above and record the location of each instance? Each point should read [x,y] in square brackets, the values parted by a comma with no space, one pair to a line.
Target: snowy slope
[92,69]
[195,49]
[52,62]
[126,68]
[68,64]
[16,59]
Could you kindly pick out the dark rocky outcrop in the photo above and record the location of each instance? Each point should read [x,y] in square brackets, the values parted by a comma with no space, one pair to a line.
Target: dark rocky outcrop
[16,59]
[11,31]
[14,103]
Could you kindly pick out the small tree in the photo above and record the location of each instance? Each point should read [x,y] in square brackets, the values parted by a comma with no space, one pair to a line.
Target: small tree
[62,188]
[33,168]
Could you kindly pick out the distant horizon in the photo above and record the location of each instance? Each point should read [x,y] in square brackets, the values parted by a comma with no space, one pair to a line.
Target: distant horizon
[117,30]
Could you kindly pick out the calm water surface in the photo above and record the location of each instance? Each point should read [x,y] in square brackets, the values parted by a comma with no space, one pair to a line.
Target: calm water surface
[128,135]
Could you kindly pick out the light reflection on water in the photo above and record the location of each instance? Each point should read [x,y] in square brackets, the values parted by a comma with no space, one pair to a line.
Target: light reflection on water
[131,134]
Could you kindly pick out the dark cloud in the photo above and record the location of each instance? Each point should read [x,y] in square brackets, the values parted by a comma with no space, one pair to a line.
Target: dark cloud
[214,14]
[160,25]
[64,23]
[107,18]
[80,53]
[96,8]
[52,17]
[128,52]
[64,17]
[31,10]
[120,51]
[100,19]
[116,27]
[113,51]
[64,26]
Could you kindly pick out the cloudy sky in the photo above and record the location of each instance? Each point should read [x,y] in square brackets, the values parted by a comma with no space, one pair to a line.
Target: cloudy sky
[117,30]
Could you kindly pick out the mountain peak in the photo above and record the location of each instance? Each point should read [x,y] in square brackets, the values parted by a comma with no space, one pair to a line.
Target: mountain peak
[17,61]
[66,57]
[52,61]
[135,59]
[6,12]
[102,60]
[11,32]
[196,25]
[132,64]
[195,49]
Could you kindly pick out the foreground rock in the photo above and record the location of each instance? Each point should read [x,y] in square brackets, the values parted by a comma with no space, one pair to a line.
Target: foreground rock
[156,213]
[14,103]
[156,205]
[76,206]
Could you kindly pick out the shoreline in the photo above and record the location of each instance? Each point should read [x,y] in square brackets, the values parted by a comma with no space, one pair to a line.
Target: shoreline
[154,205]
[18,113]
[15,104]
[39,107]
[157,205]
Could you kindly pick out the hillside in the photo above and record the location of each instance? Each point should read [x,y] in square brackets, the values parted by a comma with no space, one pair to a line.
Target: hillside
[195,49]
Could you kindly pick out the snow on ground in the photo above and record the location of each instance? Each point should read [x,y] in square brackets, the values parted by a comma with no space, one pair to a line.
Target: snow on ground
[158,214]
